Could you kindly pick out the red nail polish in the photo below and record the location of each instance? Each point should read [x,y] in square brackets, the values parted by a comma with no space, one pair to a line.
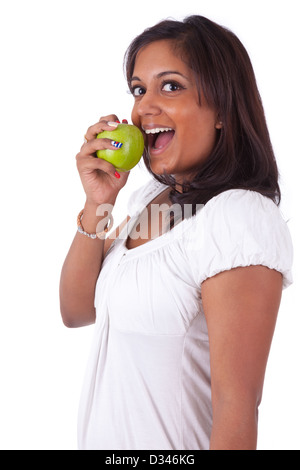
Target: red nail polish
[124,121]
[117,175]
[117,120]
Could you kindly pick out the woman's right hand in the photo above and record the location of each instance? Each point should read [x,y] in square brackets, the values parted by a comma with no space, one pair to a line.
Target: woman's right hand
[99,178]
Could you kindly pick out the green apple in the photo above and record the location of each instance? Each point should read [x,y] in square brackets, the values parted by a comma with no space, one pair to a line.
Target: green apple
[126,157]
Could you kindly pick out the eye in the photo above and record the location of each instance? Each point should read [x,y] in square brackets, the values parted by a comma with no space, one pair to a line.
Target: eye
[137,90]
[171,86]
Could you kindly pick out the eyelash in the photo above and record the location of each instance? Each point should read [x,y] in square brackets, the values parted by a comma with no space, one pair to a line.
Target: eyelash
[167,82]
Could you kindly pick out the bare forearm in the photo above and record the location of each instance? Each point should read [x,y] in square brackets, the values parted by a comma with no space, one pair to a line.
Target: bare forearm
[79,274]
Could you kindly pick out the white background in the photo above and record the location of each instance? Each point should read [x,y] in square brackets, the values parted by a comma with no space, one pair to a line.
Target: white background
[61,69]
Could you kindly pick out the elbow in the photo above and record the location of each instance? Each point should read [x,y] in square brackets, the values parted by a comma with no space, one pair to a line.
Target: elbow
[67,318]
[68,321]
[75,319]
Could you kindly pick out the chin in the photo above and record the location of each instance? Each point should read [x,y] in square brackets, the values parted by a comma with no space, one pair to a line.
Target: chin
[160,166]
[160,170]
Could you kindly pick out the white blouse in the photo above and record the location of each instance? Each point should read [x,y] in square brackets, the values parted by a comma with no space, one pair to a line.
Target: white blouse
[147,384]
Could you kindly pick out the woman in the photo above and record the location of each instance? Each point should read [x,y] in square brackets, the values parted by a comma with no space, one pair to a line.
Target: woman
[184,317]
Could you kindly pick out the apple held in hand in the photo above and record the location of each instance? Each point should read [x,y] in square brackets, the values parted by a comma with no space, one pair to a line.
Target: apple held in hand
[126,157]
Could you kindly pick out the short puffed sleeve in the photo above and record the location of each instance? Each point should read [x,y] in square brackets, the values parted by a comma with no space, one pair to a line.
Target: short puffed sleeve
[240,228]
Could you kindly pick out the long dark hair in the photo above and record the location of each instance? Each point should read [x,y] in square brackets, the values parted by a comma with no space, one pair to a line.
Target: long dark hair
[243,156]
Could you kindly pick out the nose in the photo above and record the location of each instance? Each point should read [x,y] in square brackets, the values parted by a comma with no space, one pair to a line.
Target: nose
[148,104]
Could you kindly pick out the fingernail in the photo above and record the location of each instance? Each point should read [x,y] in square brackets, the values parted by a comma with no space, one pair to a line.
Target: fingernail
[112,124]
[124,121]
[118,145]
[117,175]
[117,120]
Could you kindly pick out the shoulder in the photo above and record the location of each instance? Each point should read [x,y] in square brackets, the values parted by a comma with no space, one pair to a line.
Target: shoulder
[241,228]
[236,201]
[243,210]
[239,209]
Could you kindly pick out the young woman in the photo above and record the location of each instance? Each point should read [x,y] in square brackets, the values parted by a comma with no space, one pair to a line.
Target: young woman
[184,317]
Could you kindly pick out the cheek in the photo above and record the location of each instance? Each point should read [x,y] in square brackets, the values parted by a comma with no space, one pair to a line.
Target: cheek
[135,119]
[199,139]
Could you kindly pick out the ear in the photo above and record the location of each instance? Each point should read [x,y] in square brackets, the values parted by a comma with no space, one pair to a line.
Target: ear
[219,125]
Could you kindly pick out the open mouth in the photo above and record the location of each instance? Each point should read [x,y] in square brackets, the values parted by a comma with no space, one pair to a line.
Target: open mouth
[159,138]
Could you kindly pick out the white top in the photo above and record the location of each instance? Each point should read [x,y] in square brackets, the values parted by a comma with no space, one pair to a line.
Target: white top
[147,384]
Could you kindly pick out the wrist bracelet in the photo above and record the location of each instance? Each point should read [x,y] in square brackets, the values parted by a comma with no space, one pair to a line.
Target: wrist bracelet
[81,230]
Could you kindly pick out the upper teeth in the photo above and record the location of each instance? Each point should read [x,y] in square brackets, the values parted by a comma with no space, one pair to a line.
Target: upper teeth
[158,129]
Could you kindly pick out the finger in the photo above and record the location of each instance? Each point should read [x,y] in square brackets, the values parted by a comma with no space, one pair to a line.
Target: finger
[101,126]
[105,123]
[110,117]
[92,146]
[88,164]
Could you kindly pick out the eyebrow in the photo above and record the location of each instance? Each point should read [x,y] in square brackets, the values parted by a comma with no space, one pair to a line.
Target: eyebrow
[162,74]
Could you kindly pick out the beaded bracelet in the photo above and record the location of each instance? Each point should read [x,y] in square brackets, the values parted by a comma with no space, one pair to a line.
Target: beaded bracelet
[93,235]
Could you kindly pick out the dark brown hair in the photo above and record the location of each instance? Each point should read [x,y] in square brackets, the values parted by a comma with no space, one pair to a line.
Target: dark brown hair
[243,156]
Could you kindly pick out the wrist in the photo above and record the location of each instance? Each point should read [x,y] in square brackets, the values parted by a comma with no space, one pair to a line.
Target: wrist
[92,205]
[95,219]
